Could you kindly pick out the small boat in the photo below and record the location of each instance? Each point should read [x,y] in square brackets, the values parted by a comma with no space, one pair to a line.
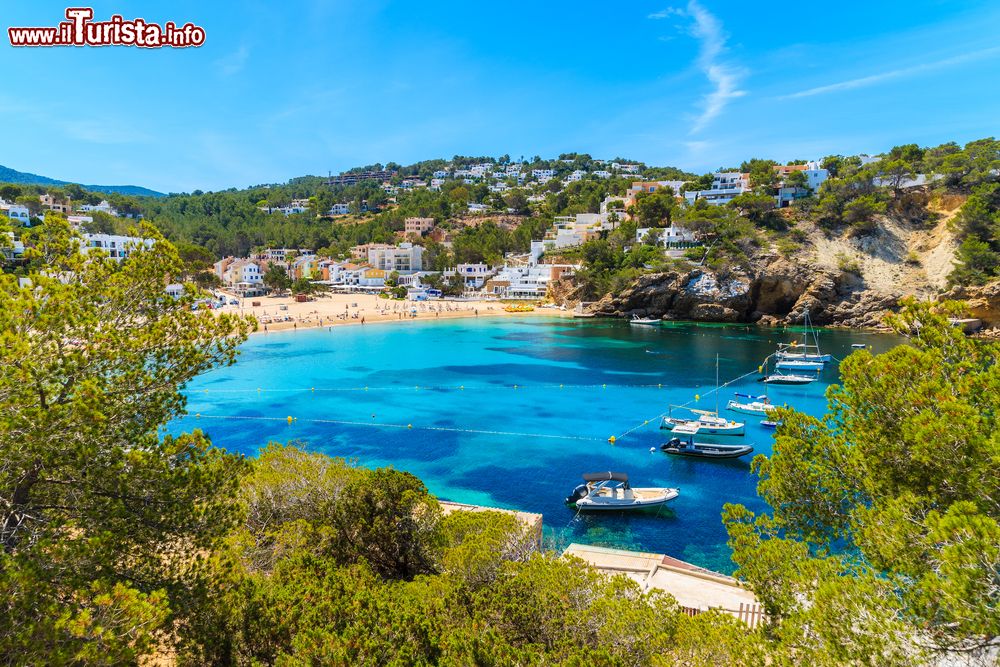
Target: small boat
[708,423]
[644,320]
[799,365]
[757,405]
[771,424]
[858,346]
[781,378]
[611,491]
[704,450]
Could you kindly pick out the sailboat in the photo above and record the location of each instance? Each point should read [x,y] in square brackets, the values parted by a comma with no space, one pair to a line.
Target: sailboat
[806,351]
[708,422]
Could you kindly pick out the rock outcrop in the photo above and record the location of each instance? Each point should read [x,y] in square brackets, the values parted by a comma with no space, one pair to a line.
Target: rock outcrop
[778,294]
[983,301]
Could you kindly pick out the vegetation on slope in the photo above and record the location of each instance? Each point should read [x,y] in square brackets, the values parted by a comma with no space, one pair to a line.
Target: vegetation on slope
[118,543]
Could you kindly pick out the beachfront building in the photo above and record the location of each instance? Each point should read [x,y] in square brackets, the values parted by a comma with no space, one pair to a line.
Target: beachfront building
[419,226]
[726,186]
[116,246]
[525,282]
[404,258]
[360,252]
[474,275]
[243,276]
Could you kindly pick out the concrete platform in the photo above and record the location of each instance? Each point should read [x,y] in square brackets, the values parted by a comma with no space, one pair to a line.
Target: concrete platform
[695,588]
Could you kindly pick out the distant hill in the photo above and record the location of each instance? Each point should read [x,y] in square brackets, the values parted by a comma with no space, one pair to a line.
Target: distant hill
[8,175]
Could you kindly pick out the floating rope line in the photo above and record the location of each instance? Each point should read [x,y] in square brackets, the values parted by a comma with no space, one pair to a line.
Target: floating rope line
[346,422]
[451,387]
[613,439]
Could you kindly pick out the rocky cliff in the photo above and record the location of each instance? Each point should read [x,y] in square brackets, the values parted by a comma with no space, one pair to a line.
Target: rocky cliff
[778,293]
[842,279]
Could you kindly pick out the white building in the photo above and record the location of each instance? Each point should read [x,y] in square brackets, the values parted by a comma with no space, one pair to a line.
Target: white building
[475,275]
[436,183]
[477,208]
[117,247]
[726,186]
[339,209]
[440,173]
[602,174]
[499,187]
[404,258]
[666,236]
[103,207]
[19,213]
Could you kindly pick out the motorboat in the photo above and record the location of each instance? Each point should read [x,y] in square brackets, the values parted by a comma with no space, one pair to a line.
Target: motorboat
[704,450]
[708,423]
[649,321]
[782,378]
[858,346]
[612,491]
[770,423]
[756,405]
[799,365]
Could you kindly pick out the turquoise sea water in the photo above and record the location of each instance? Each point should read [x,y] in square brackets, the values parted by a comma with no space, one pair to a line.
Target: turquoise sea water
[491,424]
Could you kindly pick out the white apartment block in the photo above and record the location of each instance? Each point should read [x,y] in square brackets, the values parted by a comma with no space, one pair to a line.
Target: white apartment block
[543,173]
[404,258]
[339,209]
[117,247]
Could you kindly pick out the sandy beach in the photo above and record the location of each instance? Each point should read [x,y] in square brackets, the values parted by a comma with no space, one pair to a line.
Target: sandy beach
[280,313]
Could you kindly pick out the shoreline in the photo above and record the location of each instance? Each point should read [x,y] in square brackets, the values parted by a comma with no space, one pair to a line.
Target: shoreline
[284,313]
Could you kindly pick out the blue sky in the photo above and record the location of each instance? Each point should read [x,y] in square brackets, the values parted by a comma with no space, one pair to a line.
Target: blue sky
[282,89]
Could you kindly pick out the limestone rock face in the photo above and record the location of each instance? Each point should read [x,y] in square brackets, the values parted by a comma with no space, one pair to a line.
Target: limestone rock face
[983,301]
[779,294]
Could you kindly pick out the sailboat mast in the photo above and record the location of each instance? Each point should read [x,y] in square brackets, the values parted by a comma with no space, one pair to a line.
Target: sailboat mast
[716,384]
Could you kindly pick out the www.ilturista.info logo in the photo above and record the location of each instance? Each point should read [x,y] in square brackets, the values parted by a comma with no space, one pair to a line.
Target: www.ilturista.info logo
[80,30]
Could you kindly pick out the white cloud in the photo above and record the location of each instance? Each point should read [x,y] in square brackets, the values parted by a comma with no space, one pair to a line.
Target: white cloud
[233,63]
[872,79]
[725,77]
[665,13]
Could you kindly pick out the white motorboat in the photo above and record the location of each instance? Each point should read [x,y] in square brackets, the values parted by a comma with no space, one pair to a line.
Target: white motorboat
[649,321]
[799,365]
[782,378]
[858,346]
[756,405]
[611,491]
[708,423]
